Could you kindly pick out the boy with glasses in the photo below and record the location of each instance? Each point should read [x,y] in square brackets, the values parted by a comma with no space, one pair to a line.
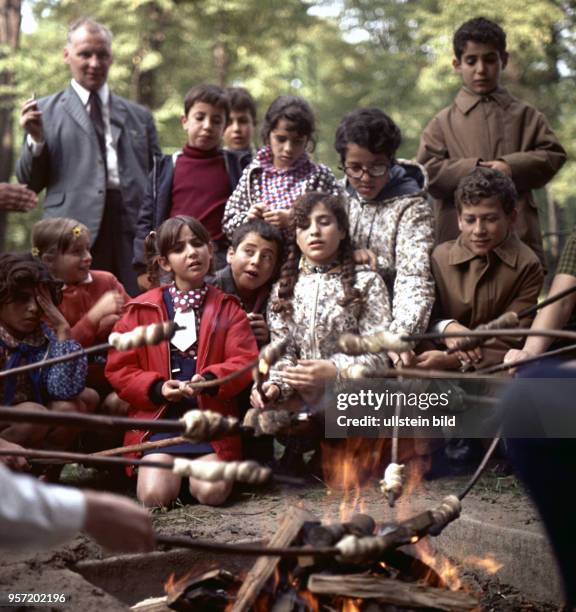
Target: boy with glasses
[390,219]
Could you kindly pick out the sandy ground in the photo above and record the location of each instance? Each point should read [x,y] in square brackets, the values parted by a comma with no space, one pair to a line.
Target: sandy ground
[254,515]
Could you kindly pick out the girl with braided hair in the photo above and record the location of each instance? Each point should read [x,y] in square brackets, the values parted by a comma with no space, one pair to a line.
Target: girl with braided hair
[321,294]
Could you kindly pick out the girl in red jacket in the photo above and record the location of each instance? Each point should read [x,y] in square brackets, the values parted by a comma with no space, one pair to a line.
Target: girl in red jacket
[91,299]
[153,379]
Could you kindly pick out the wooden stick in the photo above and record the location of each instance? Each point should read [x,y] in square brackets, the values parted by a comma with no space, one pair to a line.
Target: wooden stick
[264,567]
[96,459]
[544,303]
[252,549]
[514,364]
[548,333]
[142,446]
[67,457]
[90,421]
[160,331]
[390,591]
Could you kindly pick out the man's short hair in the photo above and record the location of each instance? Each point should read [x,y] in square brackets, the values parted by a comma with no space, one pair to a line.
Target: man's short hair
[90,25]
[241,100]
[483,183]
[369,128]
[210,94]
[263,229]
[479,30]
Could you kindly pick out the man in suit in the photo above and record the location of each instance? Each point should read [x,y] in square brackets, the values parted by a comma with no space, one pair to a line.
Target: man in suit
[91,150]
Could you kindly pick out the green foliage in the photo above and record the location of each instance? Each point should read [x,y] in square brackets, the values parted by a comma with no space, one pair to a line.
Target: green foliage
[394,54]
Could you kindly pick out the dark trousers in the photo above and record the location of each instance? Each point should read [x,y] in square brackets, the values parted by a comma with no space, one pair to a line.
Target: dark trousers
[546,466]
[113,249]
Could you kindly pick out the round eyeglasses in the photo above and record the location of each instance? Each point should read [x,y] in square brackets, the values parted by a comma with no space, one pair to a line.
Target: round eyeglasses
[357,172]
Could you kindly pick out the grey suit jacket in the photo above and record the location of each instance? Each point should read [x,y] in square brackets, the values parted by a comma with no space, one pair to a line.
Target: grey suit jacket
[71,168]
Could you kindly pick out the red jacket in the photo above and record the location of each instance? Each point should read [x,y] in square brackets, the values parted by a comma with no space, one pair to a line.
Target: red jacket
[226,343]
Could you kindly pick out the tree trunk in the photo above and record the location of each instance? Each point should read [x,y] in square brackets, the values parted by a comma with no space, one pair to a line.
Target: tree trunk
[10,18]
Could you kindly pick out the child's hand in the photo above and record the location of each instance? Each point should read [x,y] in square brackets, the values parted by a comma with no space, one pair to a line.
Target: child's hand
[516,355]
[55,318]
[437,360]
[366,257]
[109,304]
[256,211]
[187,390]
[271,393]
[466,357]
[309,374]
[172,390]
[399,360]
[259,328]
[19,464]
[497,164]
[278,218]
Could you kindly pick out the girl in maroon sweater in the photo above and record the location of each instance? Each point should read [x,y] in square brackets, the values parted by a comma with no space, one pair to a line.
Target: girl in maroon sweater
[154,379]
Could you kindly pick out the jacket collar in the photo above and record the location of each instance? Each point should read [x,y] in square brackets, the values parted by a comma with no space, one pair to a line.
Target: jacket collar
[466,100]
[506,251]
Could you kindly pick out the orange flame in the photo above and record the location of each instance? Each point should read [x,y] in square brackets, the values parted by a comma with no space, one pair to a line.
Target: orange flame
[347,466]
[488,564]
[440,564]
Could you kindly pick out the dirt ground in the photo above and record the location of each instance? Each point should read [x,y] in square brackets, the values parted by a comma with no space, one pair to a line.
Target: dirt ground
[255,514]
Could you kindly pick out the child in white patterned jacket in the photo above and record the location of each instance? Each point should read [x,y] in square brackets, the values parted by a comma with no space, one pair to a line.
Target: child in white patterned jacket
[391,222]
[321,294]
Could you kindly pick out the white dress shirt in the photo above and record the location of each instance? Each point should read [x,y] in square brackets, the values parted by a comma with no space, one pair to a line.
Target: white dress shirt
[34,515]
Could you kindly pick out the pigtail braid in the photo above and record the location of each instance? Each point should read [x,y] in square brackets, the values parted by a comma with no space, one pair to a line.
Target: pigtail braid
[352,295]
[152,256]
[287,281]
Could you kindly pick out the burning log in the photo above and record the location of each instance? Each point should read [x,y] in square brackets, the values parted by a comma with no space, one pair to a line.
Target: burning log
[265,566]
[206,591]
[389,591]
[358,550]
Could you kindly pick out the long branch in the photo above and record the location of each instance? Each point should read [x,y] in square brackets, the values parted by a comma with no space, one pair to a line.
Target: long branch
[67,457]
[520,362]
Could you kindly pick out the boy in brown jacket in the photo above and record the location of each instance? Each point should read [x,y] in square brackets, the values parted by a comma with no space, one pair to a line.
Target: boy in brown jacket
[484,273]
[486,126]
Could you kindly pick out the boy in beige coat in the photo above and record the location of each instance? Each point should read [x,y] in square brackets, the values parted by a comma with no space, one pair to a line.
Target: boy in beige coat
[486,126]
[484,273]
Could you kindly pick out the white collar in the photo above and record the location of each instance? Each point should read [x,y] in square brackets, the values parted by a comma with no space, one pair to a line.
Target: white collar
[86,281]
[84,94]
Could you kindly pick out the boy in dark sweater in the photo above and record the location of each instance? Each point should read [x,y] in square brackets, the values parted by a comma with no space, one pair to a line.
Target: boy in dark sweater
[253,262]
[195,181]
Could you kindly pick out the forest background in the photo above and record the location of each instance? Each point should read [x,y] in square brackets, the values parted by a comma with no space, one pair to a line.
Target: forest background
[338,54]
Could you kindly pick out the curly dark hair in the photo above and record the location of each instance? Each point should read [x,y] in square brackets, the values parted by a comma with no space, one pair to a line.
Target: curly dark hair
[22,271]
[294,109]
[162,242]
[479,30]
[303,208]
[369,128]
[483,183]
[210,94]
